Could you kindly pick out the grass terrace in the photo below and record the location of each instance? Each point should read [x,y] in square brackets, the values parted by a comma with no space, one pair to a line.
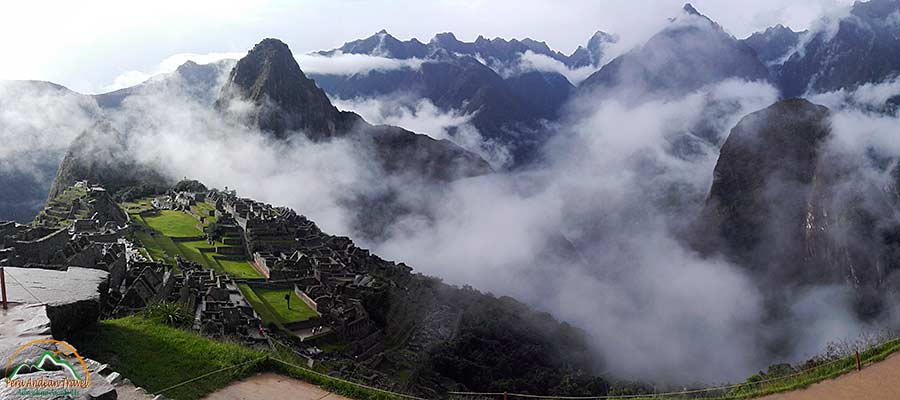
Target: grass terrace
[271,307]
[274,298]
[174,224]
[237,269]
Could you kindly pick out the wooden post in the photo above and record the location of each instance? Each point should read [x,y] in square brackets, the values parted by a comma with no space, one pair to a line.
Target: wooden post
[3,286]
[858,365]
[505,397]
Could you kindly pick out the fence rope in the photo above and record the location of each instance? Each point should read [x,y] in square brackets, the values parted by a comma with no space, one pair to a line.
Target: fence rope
[675,393]
[348,382]
[210,373]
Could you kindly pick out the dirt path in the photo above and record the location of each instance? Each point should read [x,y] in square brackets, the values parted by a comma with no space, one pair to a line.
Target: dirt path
[271,386]
[875,382]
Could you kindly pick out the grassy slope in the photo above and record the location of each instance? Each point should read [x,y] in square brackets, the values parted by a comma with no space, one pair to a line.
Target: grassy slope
[238,269]
[265,313]
[174,223]
[156,356]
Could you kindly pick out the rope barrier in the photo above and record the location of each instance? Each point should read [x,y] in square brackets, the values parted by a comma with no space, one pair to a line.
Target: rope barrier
[667,394]
[349,382]
[210,373]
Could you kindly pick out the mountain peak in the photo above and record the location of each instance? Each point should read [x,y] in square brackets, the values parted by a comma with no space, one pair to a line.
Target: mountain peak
[286,99]
[688,8]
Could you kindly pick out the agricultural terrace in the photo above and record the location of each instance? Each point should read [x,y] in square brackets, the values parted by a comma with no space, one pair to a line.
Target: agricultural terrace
[169,224]
[272,307]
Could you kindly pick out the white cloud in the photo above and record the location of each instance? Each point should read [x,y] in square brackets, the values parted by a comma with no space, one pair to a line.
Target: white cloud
[422,116]
[349,64]
[531,61]
[168,65]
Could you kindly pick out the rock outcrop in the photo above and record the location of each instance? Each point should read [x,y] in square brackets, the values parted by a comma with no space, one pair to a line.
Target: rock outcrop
[796,211]
[286,102]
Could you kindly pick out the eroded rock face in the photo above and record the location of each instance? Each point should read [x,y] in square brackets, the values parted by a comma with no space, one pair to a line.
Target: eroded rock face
[796,211]
[285,99]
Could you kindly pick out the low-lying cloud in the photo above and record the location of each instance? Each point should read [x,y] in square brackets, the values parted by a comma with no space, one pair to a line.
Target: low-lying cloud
[531,61]
[420,115]
[349,64]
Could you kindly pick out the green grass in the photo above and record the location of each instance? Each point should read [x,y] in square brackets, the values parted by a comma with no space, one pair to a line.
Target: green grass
[274,298]
[265,313]
[160,247]
[155,356]
[174,223]
[191,251]
[238,269]
[761,386]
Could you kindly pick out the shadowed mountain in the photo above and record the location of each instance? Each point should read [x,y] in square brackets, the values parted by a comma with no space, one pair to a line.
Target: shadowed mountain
[796,211]
[774,44]
[691,52]
[37,122]
[864,47]
[286,102]
[101,154]
[487,78]
[592,54]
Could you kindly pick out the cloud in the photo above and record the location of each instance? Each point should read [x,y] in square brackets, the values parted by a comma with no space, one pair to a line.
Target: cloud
[422,116]
[590,235]
[168,65]
[349,64]
[37,122]
[531,61]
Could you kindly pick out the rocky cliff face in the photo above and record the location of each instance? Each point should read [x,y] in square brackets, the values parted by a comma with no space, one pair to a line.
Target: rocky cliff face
[284,99]
[864,47]
[285,102]
[774,44]
[795,211]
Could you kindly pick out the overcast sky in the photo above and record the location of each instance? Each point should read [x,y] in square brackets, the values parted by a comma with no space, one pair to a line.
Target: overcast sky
[87,45]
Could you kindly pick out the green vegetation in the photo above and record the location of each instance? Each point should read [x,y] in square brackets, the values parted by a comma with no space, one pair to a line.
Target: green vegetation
[58,212]
[761,385]
[274,298]
[170,224]
[156,356]
[238,269]
[265,313]
[172,314]
[272,309]
[174,223]
[160,247]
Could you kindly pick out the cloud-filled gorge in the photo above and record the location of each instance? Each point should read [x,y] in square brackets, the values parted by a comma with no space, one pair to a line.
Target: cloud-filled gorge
[591,234]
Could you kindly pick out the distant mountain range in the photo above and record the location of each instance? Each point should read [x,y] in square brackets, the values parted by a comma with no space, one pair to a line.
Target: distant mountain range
[486,78]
